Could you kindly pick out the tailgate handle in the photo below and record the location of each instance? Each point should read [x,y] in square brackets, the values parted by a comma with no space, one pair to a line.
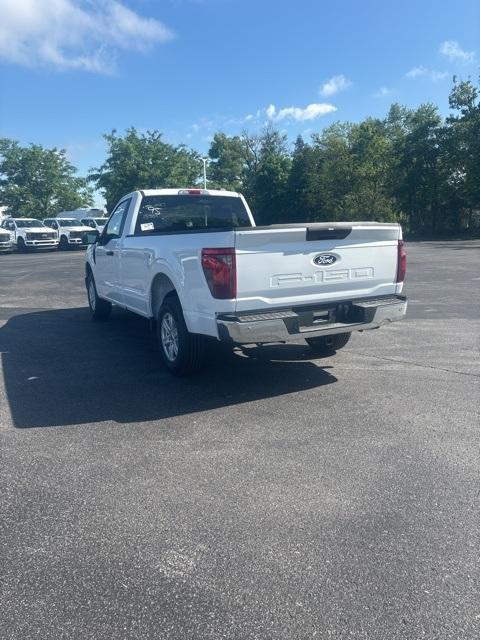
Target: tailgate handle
[334,233]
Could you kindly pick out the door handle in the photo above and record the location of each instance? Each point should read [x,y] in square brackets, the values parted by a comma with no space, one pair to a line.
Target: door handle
[109,253]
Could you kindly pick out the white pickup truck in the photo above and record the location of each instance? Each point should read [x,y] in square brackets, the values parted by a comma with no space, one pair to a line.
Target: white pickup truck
[30,233]
[71,232]
[194,262]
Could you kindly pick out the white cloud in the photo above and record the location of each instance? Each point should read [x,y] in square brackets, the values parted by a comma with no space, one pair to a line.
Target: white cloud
[452,50]
[423,72]
[270,111]
[74,34]
[439,75]
[334,85]
[416,72]
[310,112]
[383,92]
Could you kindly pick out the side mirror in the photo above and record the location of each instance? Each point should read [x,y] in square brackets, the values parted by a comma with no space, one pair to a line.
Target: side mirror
[90,237]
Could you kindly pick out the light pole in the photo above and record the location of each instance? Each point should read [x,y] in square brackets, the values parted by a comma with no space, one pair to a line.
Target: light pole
[204,160]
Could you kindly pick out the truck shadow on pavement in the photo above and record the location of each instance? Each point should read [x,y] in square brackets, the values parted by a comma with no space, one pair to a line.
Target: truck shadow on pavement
[60,369]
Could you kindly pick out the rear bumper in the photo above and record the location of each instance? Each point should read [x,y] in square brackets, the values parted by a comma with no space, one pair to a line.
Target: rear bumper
[309,322]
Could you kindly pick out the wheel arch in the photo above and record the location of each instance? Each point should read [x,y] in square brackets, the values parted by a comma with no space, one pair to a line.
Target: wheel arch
[161,287]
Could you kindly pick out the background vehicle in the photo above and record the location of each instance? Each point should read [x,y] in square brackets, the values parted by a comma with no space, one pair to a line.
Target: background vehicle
[71,232]
[194,261]
[84,212]
[6,243]
[95,223]
[30,233]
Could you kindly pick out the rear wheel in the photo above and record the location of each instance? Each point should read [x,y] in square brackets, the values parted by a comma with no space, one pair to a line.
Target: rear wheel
[99,308]
[182,352]
[328,344]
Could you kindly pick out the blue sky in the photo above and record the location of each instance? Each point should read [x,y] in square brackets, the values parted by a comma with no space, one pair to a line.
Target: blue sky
[71,70]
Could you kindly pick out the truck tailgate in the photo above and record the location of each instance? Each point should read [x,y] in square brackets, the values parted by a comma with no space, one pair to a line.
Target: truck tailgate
[292,265]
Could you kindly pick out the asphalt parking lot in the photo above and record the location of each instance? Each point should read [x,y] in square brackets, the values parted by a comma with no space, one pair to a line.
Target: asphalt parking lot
[273,496]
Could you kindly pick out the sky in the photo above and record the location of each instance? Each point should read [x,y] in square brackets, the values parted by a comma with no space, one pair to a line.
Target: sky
[72,70]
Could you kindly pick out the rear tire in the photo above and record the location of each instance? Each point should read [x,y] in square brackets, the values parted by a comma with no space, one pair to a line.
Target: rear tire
[99,308]
[328,344]
[182,352]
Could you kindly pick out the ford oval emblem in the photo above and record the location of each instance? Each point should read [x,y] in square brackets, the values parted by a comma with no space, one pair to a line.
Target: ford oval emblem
[325,259]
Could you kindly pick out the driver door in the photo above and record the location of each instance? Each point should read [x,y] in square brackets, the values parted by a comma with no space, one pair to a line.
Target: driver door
[107,255]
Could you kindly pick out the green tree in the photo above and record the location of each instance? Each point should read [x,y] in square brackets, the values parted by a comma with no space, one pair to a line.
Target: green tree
[39,182]
[302,203]
[228,162]
[143,161]
[270,168]
[369,197]
[334,179]
[464,145]
[419,186]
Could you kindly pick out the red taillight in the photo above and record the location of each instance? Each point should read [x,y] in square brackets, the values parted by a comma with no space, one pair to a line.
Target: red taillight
[220,271]
[401,261]
[193,192]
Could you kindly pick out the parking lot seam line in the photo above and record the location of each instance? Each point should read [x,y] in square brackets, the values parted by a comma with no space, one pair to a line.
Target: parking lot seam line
[424,366]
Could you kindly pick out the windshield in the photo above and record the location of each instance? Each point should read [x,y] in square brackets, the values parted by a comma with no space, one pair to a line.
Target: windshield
[29,223]
[184,212]
[70,223]
[101,221]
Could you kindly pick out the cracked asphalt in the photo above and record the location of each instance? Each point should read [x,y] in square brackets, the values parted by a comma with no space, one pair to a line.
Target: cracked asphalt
[273,496]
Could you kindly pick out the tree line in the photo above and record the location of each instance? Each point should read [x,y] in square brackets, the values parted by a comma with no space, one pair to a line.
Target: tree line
[413,166]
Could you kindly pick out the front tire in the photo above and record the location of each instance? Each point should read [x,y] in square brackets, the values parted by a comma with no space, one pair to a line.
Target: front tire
[63,244]
[99,308]
[21,246]
[182,352]
[328,344]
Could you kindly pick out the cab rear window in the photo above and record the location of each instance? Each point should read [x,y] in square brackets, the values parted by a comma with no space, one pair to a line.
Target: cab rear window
[185,213]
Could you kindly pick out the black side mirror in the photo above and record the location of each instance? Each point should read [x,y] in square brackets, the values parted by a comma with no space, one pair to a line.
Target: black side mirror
[91,237]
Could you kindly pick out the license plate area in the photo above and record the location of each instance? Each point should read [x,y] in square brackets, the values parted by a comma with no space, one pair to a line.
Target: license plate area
[311,320]
[308,319]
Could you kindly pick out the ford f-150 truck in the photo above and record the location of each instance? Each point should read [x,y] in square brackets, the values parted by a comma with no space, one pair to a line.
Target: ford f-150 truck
[195,262]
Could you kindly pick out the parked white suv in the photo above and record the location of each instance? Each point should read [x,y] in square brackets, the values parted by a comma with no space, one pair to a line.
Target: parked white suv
[71,232]
[30,233]
[194,261]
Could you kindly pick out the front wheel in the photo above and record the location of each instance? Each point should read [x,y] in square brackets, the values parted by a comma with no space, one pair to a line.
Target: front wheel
[328,344]
[182,352]
[99,308]
[63,244]
[21,246]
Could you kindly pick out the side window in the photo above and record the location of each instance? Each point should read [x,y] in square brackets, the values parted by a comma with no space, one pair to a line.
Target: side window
[11,225]
[54,225]
[116,223]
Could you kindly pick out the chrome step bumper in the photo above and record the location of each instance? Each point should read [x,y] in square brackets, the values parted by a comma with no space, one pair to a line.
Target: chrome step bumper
[310,322]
